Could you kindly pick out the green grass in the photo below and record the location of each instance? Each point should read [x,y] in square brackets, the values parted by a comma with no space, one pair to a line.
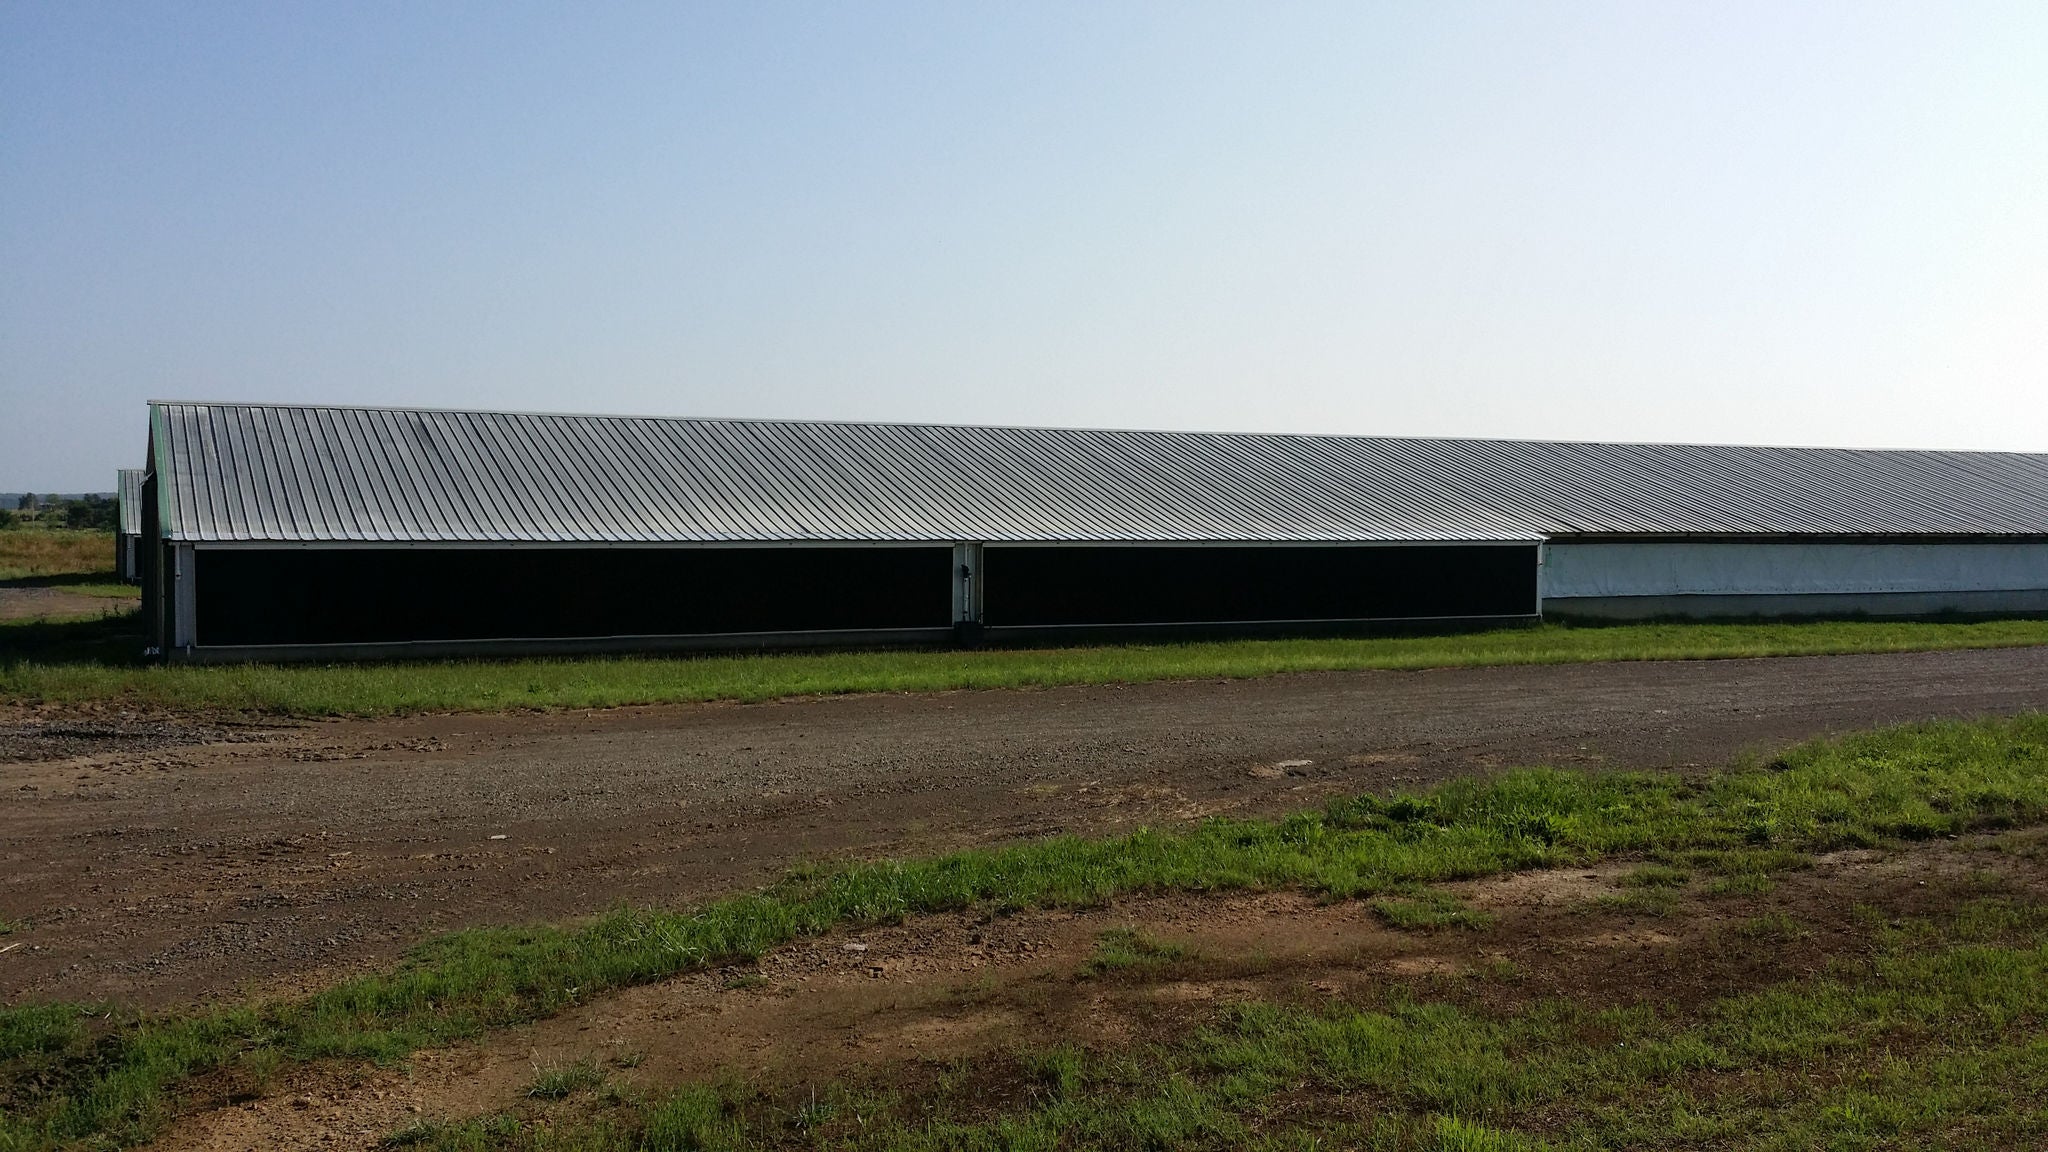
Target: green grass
[1428,909]
[1657,902]
[48,673]
[1128,950]
[1656,876]
[1937,1040]
[565,1081]
[36,553]
[69,1073]
[1774,926]
[109,589]
[1742,884]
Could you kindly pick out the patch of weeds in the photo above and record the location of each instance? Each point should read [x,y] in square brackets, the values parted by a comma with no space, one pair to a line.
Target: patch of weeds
[1657,876]
[1127,950]
[501,1132]
[259,1068]
[813,1113]
[2028,845]
[1737,872]
[616,1095]
[744,981]
[1658,902]
[1741,884]
[979,990]
[1730,861]
[857,1110]
[412,1135]
[1985,880]
[10,927]
[1429,909]
[1454,1135]
[951,1078]
[1988,920]
[42,1030]
[628,1058]
[1771,926]
[1059,1072]
[565,1080]
[696,1117]
[1497,968]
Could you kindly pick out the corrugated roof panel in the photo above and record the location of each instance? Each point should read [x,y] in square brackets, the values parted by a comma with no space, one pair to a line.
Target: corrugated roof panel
[309,473]
[128,500]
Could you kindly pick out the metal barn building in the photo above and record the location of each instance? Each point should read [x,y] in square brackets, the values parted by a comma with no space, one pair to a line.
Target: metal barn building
[128,532]
[331,532]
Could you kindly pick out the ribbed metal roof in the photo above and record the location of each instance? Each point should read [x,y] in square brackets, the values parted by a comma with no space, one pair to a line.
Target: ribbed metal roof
[128,491]
[246,472]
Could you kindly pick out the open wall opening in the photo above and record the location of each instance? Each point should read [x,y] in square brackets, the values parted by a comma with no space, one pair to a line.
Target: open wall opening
[263,596]
[1031,586]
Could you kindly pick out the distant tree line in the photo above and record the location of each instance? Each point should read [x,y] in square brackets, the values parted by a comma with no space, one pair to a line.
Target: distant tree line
[31,510]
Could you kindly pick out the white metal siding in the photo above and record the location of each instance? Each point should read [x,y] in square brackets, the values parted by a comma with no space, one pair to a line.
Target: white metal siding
[1725,569]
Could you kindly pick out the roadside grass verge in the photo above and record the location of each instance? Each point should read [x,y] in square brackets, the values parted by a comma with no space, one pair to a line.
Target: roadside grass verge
[1939,1039]
[48,673]
[70,1073]
[34,553]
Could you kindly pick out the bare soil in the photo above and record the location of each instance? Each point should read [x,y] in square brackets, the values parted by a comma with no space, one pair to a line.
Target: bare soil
[34,603]
[894,1006]
[160,860]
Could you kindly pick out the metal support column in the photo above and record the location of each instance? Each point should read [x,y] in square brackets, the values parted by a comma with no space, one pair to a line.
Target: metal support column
[184,604]
[967,622]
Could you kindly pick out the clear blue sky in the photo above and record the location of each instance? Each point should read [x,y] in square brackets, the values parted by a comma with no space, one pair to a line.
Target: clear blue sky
[1773,222]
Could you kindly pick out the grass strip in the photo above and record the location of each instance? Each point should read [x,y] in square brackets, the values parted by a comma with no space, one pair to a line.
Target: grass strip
[33,553]
[1938,1040]
[44,667]
[66,1077]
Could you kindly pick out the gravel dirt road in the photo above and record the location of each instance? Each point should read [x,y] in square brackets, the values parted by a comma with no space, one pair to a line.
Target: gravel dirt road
[160,860]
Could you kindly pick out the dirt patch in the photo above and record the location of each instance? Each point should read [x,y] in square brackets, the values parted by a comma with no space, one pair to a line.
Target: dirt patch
[82,740]
[166,870]
[884,1003]
[60,604]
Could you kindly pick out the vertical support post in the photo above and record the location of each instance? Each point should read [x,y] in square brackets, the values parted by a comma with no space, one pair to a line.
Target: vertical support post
[150,558]
[1540,549]
[967,593]
[184,604]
